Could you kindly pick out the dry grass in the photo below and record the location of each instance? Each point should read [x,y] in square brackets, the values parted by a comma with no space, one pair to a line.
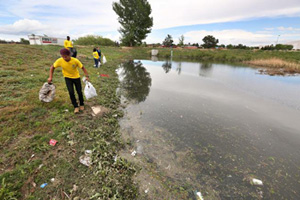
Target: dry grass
[276,66]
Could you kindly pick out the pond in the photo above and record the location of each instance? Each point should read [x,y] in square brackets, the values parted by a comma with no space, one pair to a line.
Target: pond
[211,129]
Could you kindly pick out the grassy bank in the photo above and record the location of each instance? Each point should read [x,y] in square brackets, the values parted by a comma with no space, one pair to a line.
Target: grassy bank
[271,62]
[26,158]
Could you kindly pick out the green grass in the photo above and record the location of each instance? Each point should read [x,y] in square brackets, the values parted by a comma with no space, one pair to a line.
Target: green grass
[27,125]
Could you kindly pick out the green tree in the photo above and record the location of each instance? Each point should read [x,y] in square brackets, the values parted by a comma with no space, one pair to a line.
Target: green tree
[24,41]
[168,42]
[135,20]
[210,41]
[94,40]
[181,40]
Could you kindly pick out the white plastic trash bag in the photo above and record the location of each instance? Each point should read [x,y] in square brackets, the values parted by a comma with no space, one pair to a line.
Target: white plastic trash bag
[89,90]
[47,92]
[104,59]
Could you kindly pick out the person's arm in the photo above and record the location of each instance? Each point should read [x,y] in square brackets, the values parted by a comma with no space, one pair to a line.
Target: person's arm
[51,74]
[85,73]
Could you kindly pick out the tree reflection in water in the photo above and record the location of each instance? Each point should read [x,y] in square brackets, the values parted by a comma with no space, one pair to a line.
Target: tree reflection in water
[167,66]
[205,69]
[135,81]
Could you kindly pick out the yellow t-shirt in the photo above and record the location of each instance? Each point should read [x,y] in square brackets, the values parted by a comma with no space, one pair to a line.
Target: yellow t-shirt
[68,43]
[96,55]
[69,69]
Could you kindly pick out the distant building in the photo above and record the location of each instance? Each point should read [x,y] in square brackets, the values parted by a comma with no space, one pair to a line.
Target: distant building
[45,40]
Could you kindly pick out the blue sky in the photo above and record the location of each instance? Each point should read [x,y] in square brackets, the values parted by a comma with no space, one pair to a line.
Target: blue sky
[250,22]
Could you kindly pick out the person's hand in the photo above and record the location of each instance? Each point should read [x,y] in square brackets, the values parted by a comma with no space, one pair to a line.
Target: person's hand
[49,80]
[87,79]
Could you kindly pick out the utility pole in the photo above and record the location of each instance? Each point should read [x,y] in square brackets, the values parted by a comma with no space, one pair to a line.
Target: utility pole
[277,40]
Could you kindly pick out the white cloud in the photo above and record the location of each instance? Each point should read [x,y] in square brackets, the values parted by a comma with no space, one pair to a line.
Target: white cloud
[22,27]
[170,13]
[281,28]
[231,37]
[77,17]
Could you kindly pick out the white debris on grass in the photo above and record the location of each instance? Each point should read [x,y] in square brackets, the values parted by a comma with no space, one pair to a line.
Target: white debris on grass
[133,153]
[199,196]
[257,181]
[96,110]
[86,159]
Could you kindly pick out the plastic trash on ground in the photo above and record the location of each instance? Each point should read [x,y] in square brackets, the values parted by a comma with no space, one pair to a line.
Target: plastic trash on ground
[199,196]
[47,93]
[52,142]
[89,90]
[86,159]
[104,75]
[44,185]
[133,153]
[256,182]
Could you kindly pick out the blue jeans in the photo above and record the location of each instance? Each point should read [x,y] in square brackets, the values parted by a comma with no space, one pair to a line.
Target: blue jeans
[96,62]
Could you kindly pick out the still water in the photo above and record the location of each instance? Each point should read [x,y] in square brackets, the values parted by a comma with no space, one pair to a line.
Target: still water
[211,128]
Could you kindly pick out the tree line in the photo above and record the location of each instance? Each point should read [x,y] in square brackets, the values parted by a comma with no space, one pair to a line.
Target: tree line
[136,23]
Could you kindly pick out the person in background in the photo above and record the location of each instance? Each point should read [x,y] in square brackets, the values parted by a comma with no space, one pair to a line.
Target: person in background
[69,45]
[70,71]
[99,52]
[96,57]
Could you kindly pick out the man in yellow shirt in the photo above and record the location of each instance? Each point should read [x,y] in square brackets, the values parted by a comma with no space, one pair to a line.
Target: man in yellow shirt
[70,71]
[68,45]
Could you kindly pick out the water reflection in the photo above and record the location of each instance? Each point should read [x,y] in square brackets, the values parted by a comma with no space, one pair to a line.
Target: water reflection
[178,69]
[167,66]
[205,69]
[222,131]
[135,81]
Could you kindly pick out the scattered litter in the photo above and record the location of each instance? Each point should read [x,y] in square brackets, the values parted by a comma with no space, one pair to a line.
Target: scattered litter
[229,176]
[75,187]
[86,159]
[44,185]
[169,167]
[104,75]
[67,195]
[66,110]
[256,182]
[87,152]
[99,110]
[115,158]
[52,179]
[52,142]
[31,157]
[133,153]
[31,75]
[147,190]
[47,92]
[71,142]
[41,165]
[33,184]
[199,196]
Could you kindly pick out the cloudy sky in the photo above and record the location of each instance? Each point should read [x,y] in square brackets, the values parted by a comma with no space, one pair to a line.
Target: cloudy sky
[250,22]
